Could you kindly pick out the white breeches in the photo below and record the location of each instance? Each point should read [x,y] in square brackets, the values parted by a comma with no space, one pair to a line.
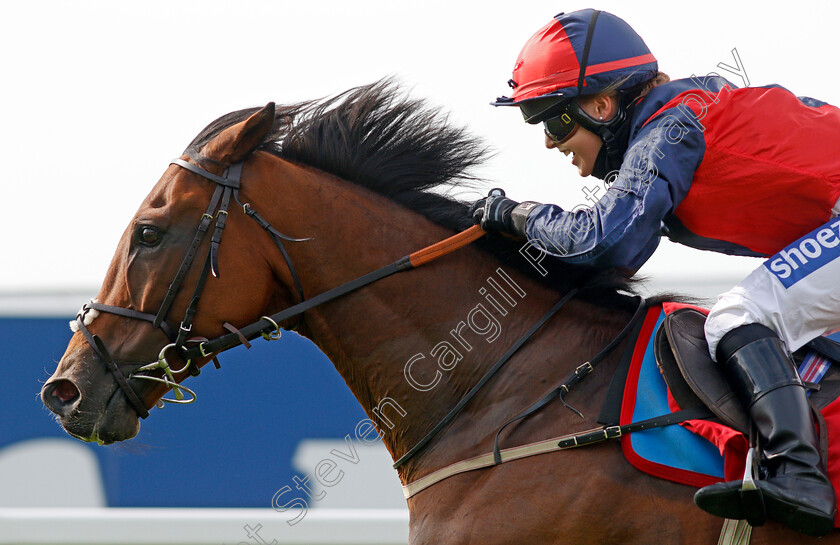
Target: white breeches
[796,292]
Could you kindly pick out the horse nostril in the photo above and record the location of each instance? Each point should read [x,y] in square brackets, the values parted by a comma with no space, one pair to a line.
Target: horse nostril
[59,396]
[66,391]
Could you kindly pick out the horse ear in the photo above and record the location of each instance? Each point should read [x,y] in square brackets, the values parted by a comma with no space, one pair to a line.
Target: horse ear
[233,144]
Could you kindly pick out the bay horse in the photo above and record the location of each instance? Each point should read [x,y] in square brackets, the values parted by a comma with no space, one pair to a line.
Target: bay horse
[352,183]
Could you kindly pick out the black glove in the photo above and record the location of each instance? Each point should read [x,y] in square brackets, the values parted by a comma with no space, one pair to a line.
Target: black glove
[493,212]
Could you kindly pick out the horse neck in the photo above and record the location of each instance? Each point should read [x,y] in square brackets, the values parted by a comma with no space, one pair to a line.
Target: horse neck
[411,345]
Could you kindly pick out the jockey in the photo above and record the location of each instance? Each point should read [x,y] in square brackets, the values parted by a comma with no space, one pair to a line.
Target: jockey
[750,171]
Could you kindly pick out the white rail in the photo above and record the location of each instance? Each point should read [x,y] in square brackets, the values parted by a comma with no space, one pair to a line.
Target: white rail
[122,526]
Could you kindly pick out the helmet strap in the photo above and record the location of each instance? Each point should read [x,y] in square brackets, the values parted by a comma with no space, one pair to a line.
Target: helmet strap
[584,60]
[615,134]
[598,127]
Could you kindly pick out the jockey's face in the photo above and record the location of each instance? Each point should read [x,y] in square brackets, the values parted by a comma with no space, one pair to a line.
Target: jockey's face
[585,145]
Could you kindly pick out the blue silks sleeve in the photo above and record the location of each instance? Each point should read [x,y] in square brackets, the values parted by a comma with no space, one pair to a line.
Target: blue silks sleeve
[623,228]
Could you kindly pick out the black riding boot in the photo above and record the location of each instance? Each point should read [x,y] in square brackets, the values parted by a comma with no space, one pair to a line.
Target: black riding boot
[797,491]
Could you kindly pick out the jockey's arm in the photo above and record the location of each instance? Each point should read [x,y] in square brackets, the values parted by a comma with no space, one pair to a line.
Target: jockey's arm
[623,228]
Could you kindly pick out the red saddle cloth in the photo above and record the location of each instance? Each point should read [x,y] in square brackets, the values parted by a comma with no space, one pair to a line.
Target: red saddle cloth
[733,446]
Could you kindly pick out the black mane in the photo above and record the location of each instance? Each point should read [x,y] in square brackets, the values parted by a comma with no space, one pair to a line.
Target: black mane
[377,138]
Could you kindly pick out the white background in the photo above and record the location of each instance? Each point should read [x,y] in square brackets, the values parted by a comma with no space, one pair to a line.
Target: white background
[98,96]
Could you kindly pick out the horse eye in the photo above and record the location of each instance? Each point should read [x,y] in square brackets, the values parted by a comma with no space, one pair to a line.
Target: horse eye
[149,235]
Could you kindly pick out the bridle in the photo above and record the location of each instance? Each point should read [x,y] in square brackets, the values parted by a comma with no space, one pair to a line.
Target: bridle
[227,187]
[192,349]
[195,348]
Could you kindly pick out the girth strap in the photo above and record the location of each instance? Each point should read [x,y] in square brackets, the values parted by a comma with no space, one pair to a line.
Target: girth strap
[545,446]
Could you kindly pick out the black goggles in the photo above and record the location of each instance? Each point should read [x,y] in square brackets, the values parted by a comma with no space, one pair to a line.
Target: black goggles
[538,110]
[560,128]
[553,113]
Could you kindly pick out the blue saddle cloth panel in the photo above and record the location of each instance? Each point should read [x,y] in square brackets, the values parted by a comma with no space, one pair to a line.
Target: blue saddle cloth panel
[672,446]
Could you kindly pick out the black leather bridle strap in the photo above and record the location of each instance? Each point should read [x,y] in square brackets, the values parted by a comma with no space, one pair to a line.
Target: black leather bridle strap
[252,331]
[186,325]
[250,212]
[221,180]
[211,263]
[222,194]
[233,173]
[225,186]
[278,240]
[186,263]
[269,324]
[231,182]
[129,313]
[102,352]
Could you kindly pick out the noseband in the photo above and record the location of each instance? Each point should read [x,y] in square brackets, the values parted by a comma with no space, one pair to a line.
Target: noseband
[227,186]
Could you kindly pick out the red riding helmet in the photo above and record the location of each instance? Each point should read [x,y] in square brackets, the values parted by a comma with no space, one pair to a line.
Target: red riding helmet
[579,53]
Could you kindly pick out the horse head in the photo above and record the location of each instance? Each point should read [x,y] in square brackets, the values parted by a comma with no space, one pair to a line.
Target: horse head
[153,277]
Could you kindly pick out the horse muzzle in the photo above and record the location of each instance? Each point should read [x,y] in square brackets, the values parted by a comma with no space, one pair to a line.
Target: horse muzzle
[102,421]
